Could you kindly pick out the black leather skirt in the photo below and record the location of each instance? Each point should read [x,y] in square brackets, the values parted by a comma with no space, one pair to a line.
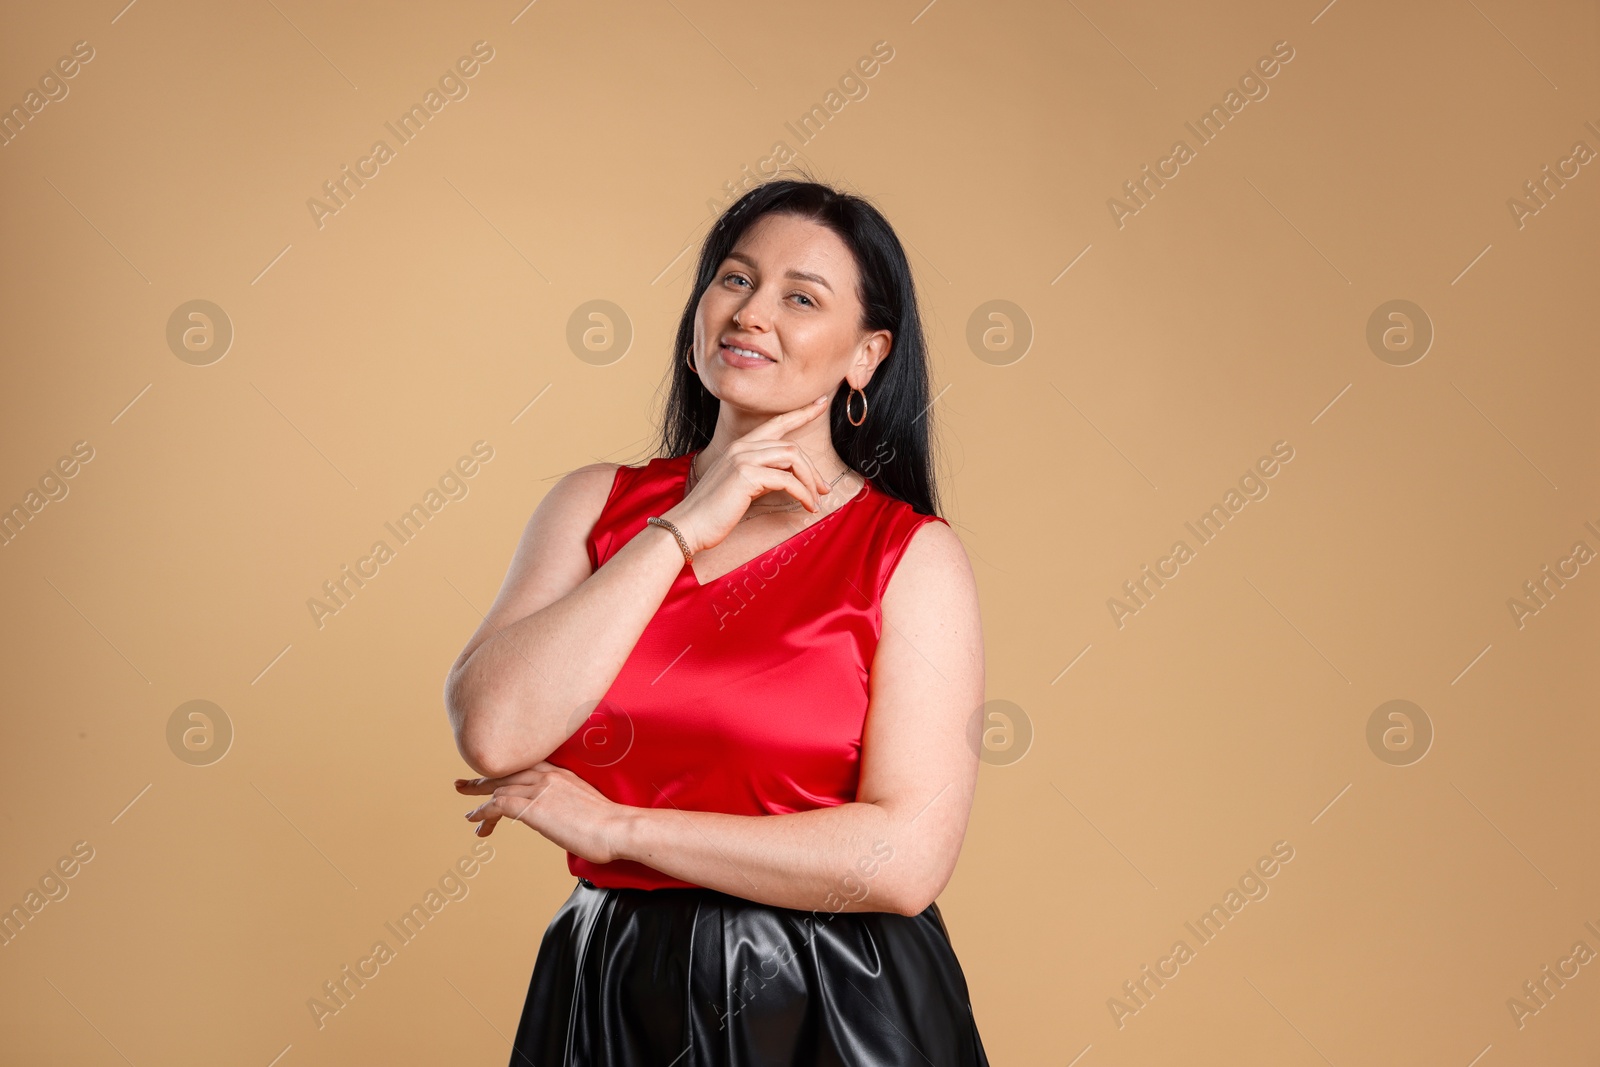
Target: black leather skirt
[697,978]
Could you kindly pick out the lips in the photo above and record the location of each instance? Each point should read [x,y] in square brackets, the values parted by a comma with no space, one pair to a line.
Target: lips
[739,356]
[730,342]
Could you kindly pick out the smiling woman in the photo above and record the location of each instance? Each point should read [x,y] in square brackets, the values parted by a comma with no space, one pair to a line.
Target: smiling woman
[759,816]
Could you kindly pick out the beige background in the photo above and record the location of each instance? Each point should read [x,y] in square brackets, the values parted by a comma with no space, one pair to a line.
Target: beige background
[1228,314]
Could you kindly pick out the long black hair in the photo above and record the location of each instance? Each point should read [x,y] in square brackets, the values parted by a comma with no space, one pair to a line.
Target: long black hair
[891,444]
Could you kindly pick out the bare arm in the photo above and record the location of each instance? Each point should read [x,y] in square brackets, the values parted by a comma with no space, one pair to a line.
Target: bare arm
[558,633]
[895,847]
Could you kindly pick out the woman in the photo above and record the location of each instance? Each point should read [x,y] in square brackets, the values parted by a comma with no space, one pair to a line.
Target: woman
[700,680]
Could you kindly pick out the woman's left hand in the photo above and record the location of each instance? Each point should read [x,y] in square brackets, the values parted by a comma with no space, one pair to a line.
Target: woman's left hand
[563,807]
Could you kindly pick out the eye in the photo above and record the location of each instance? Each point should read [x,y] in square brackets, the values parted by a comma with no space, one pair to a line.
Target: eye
[807,299]
[725,277]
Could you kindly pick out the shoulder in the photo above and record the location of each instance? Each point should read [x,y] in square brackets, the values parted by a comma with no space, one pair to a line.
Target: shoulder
[931,552]
[920,549]
[930,601]
[585,495]
[590,483]
[578,498]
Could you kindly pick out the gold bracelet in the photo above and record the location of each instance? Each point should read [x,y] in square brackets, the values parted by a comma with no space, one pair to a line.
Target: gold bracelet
[656,520]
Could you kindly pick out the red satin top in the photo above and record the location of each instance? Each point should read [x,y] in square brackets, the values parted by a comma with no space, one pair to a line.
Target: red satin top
[746,695]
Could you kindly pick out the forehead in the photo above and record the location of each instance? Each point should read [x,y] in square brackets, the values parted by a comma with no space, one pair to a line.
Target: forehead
[780,242]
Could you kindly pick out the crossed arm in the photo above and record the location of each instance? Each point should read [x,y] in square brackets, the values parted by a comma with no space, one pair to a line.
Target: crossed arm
[893,849]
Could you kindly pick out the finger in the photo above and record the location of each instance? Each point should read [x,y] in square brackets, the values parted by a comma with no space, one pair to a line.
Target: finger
[489,814]
[508,804]
[787,454]
[808,468]
[489,785]
[762,477]
[781,424]
[485,817]
[480,786]
[755,474]
[768,478]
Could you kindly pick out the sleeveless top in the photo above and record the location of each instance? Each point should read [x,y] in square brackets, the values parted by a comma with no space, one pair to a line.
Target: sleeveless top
[746,695]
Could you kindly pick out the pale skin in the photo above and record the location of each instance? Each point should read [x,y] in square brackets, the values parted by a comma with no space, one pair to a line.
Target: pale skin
[558,632]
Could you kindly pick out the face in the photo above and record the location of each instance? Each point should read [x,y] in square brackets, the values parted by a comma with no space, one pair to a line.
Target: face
[792,284]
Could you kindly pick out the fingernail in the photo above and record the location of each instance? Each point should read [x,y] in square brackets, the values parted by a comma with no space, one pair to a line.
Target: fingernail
[822,398]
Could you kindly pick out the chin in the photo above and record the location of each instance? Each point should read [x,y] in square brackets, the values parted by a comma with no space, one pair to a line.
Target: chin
[747,396]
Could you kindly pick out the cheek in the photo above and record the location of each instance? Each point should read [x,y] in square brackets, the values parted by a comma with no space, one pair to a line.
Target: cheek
[711,317]
[714,301]
[816,346]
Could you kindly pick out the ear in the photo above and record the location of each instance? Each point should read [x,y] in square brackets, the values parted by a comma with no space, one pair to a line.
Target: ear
[873,350]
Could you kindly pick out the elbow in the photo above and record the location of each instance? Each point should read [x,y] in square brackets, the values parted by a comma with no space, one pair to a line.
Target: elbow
[484,754]
[915,897]
[916,894]
[477,731]
[911,906]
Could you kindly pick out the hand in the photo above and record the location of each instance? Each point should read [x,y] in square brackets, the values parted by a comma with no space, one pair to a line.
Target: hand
[755,464]
[552,800]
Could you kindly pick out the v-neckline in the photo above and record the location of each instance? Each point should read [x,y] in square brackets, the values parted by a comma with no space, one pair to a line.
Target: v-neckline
[683,485]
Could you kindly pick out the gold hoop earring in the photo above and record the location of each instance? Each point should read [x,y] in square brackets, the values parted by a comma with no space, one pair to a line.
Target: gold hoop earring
[851,396]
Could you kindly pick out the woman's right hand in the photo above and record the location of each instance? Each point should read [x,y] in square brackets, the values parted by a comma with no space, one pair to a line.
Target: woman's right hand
[757,463]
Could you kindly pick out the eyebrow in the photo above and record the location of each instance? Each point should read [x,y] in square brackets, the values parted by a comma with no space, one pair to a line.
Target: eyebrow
[797,274]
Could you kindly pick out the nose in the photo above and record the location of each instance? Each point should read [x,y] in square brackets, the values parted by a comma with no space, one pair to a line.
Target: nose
[751,315]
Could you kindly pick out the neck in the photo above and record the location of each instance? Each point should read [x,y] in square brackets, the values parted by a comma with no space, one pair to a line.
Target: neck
[814,438]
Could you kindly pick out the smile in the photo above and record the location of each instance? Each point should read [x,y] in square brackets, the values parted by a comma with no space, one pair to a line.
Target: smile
[742,357]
